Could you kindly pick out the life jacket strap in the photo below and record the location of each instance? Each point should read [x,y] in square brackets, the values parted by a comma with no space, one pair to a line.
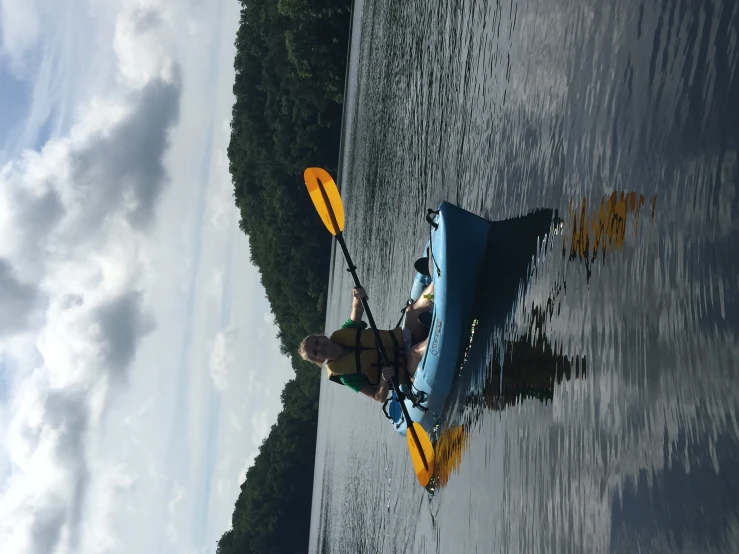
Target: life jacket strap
[358,351]
[396,354]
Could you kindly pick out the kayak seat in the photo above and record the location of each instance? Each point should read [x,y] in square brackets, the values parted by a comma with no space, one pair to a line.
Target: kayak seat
[422,266]
[425,319]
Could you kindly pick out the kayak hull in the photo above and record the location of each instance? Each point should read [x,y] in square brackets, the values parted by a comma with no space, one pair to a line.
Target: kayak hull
[456,249]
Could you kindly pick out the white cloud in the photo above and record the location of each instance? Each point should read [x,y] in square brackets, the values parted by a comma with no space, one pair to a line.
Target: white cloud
[142,411]
[215,283]
[235,421]
[260,426]
[61,54]
[112,483]
[221,211]
[221,357]
[144,42]
[19,21]
[251,382]
[178,496]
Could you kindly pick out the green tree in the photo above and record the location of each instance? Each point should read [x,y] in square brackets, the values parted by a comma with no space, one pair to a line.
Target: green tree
[290,66]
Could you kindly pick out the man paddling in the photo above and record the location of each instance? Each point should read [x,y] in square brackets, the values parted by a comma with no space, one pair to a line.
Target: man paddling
[351,358]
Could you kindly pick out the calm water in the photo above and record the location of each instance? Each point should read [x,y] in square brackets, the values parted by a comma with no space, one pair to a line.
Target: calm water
[603,415]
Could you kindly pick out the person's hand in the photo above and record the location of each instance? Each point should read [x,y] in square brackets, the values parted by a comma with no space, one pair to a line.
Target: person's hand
[388,373]
[358,294]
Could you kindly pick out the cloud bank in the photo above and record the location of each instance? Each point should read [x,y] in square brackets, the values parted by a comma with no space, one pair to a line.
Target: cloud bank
[74,216]
[72,307]
[124,281]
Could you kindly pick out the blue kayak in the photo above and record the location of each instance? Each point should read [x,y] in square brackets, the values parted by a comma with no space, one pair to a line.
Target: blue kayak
[455,250]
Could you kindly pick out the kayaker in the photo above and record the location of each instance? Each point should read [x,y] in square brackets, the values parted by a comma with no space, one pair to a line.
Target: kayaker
[360,369]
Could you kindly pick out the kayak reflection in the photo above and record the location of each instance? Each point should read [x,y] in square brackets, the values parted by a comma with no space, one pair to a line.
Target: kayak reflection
[530,368]
[530,373]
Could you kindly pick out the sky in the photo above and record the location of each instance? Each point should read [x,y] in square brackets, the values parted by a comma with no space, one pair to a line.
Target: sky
[139,364]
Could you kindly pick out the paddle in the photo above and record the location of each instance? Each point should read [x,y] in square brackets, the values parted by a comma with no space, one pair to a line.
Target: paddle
[327,201]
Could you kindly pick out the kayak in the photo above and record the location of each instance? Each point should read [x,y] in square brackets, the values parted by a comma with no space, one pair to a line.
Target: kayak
[455,251]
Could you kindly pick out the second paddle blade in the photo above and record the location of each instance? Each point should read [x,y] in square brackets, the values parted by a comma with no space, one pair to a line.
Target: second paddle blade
[326,198]
[424,470]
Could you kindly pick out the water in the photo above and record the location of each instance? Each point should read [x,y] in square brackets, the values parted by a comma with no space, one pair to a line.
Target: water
[616,425]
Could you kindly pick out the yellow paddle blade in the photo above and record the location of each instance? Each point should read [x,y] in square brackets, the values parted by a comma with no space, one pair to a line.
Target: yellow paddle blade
[424,471]
[326,198]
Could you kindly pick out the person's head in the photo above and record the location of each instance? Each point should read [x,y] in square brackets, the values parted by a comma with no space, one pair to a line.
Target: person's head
[315,348]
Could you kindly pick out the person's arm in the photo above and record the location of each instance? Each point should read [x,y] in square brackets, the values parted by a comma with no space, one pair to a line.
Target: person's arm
[357,309]
[379,392]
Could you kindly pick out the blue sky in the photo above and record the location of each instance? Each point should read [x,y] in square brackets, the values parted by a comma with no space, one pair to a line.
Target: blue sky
[139,365]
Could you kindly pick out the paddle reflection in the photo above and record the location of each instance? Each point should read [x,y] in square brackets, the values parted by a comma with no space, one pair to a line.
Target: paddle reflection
[590,233]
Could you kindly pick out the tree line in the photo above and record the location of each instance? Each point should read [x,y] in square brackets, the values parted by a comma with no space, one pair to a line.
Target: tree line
[290,64]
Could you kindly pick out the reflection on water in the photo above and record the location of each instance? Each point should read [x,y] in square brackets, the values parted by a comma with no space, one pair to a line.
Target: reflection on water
[528,369]
[603,230]
[448,452]
[529,372]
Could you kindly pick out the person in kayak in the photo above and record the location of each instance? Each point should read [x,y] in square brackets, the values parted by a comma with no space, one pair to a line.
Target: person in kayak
[351,357]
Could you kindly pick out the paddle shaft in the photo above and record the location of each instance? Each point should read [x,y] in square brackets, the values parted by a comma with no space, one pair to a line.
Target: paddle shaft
[381,348]
[394,382]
